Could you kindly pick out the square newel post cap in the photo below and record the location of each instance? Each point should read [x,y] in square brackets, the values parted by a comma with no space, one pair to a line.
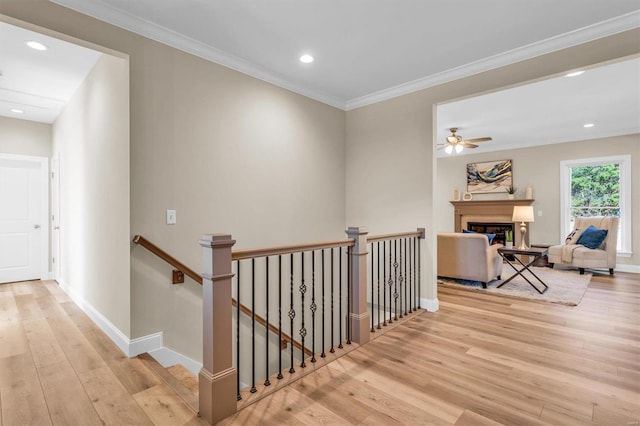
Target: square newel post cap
[354,231]
[217,240]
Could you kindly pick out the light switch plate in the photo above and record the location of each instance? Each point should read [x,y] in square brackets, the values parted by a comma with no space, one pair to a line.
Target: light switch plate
[171,217]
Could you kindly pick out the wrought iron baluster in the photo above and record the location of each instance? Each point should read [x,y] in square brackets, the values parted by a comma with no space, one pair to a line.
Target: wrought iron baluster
[280,376]
[395,283]
[323,354]
[253,326]
[378,264]
[384,283]
[332,350]
[373,330]
[349,287]
[292,315]
[390,282]
[313,306]
[401,282]
[406,281]
[267,382]
[238,396]
[411,275]
[340,298]
[303,330]
[419,274]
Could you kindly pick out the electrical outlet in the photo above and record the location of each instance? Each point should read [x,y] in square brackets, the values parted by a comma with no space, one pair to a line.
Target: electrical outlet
[171,217]
[539,213]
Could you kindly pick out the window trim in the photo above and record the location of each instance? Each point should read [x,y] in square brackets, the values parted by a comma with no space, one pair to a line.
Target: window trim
[625,196]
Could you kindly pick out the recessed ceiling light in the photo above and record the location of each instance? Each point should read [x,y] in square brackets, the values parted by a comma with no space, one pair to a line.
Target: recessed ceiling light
[17,111]
[36,45]
[306,59]
[588,125]
[574,73]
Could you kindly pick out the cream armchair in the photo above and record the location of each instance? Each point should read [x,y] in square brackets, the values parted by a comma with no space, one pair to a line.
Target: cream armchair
[468,257]
[582,257]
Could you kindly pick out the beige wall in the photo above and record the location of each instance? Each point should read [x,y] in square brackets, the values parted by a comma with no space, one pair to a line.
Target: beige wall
[234,154]
[390,145]
[540,168]
[24,137]
[91,138]
[229,152]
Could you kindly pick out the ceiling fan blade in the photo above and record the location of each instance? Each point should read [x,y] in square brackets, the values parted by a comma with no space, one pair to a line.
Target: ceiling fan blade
[470,145]
[478,140]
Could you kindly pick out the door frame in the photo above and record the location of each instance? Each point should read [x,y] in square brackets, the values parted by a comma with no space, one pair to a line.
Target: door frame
[43,162]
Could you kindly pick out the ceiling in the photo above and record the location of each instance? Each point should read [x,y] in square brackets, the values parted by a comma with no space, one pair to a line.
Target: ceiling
[367,51]
[39,83]
[549,111]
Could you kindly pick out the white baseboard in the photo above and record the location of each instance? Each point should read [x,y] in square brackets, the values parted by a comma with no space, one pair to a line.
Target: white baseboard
[167,357]
[633,269]
[431,305]
[148,343]
[151,343]
[118,337]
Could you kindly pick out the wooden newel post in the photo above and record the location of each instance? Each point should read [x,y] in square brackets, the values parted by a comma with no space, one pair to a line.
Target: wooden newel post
[217,376]
[358,313]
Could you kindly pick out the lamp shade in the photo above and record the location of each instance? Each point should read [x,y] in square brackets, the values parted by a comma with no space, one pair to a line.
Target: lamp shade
[523,214]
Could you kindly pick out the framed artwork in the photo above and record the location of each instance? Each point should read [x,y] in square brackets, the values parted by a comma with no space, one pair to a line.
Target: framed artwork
[488,177]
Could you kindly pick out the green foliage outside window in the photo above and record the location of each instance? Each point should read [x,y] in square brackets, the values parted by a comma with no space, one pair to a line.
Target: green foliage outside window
[595,190]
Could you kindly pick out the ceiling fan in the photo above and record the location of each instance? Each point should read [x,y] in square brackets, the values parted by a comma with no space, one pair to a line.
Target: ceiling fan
[455,142]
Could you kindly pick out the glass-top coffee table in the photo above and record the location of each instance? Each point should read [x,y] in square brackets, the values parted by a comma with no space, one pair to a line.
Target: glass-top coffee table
[512,253]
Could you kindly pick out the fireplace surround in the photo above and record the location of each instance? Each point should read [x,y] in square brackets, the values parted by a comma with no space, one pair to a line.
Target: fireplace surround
[487,212]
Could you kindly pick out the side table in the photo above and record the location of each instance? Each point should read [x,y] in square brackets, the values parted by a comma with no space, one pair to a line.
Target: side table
[535,252]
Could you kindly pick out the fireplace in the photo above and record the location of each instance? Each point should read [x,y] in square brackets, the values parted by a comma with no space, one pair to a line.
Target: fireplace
[485,213]
[492,228]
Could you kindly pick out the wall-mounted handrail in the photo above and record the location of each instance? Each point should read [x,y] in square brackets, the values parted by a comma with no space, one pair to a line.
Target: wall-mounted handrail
[140,240]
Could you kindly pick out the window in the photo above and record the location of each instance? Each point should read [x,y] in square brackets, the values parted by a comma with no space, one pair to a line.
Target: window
[597,187]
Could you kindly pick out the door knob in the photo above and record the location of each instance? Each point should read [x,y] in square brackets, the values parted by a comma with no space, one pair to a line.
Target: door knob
[36,226]
[55,228]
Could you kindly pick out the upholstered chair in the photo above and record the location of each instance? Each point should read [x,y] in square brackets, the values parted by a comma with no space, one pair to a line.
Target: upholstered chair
[582,257]
[468,257]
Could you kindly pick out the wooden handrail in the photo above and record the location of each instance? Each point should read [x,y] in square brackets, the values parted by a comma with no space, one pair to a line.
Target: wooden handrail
[419,234]
[294,248]
[140,240]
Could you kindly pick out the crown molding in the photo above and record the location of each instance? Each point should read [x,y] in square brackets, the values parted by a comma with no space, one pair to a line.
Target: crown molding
[602,29]
[122,19]
[153,31]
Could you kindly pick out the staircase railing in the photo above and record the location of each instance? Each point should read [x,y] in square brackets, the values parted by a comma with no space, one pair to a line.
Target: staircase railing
[296,286]
[182,270]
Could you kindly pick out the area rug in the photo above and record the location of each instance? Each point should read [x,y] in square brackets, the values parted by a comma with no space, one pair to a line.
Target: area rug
[566,287]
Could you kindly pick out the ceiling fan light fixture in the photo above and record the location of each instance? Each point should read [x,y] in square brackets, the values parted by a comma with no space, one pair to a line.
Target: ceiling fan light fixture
[459,148]
[448,149]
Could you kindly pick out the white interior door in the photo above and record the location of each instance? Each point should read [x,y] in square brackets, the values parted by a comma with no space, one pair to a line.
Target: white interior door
[55,216]
[21,229]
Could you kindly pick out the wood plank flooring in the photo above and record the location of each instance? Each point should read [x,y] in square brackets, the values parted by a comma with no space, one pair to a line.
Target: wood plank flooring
[57,367]
[483,360]
[480,360]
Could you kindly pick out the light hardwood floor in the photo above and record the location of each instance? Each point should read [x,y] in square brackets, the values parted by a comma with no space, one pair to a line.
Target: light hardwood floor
[483,360]
[480,360]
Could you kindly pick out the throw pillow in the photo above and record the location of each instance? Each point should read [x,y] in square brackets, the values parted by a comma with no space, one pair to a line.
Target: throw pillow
[593,237]
[490,237]
[573,236]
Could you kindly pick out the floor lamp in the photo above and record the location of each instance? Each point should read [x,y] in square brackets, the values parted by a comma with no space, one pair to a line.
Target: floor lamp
[522,214]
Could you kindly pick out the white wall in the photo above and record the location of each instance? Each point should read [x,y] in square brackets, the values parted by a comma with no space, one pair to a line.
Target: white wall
[540,168]
[91,137]
[24,137]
